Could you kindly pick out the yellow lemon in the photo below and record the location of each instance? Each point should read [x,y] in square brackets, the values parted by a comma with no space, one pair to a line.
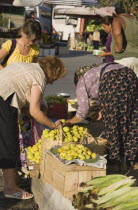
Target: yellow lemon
[75,139]
[59,150]
[66,129]
[69,157]
[94,155]
[88,156]
[89,152]
[82,157]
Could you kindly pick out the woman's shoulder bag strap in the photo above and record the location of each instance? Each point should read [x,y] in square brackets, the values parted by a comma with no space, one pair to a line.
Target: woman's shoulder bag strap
[10,52]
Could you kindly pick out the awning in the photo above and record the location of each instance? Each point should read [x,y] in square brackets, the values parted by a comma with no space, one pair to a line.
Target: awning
[21,3]
[84,11]
[27,3]
[73,2]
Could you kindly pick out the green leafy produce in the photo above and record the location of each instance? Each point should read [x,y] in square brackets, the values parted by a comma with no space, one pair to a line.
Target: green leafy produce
[55,99]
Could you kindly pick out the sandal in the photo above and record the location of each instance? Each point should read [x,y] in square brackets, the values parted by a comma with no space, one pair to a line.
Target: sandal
[19,195]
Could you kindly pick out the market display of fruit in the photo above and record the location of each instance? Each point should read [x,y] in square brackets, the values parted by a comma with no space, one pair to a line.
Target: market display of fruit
[83,45]
[111,192]
[68,134]
[72,102]
[34,152]
[72,151]
[93,24]
[55,99]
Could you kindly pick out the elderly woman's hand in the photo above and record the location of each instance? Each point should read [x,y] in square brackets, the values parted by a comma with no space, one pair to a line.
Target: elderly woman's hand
[58,122]
[99,116]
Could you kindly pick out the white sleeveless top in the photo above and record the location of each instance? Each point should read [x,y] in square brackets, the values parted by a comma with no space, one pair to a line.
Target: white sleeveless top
[19,78]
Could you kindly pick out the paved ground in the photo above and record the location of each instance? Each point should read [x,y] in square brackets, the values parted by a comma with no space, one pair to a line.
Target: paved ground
[72,61]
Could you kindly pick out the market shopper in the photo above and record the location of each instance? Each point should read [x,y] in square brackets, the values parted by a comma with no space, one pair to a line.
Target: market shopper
[72,37]
[24,49]
[96,39]
[21,83]
[106,23]
[125,38]
[116,87]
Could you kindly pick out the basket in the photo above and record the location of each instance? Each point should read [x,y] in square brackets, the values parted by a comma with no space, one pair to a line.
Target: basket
[96,144]
[47,144]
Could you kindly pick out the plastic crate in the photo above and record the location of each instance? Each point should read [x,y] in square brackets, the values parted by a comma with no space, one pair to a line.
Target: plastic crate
[58,110]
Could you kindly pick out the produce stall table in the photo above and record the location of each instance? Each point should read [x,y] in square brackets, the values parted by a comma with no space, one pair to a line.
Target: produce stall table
[46,50]
[62,48]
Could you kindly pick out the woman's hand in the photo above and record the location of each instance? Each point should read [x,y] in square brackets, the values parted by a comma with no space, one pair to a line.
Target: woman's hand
[58,122]
[103,54]
[99,116]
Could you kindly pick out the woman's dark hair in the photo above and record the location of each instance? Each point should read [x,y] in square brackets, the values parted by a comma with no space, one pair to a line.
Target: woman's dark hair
[107,20]
[32,29]
[119,8]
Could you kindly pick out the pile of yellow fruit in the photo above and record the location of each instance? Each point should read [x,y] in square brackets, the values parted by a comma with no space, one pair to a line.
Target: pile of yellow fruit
[72,151]
[34,152]
[70,134]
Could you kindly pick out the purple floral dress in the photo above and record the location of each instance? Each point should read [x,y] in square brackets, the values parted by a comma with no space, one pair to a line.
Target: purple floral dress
[108,58]
[29,133]
[118,96]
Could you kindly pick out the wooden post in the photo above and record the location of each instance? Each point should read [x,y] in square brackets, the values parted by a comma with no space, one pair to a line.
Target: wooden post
[82,25]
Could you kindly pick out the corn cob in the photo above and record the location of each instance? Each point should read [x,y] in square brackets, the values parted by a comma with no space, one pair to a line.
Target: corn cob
[106,183]
[86,189]
[134,207]
[120,199]
[117,185]
[113,194]
[130,204]
[100,179]
[109,182]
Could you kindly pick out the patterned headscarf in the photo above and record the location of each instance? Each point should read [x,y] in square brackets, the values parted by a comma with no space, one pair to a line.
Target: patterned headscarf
[81,71]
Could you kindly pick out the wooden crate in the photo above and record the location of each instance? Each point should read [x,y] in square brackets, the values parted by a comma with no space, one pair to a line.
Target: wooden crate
[34,169]
[67,178]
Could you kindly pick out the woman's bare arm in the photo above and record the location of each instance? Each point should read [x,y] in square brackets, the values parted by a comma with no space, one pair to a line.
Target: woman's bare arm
[117,33]
[35,108]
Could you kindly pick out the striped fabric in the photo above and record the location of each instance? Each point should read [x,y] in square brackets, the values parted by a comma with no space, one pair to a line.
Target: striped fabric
[19,78]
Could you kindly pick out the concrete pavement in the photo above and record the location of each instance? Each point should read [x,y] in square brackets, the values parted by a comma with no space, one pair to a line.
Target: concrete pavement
[72,61]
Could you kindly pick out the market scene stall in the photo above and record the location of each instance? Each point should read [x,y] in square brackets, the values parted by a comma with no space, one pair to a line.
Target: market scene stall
[68,167]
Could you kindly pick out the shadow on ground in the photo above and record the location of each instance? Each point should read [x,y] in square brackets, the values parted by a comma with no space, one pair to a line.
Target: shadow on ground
[14,204]
[74,53]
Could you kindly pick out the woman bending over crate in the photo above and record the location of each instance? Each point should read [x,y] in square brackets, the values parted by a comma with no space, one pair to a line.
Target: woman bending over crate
[21,83]
[116,86]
